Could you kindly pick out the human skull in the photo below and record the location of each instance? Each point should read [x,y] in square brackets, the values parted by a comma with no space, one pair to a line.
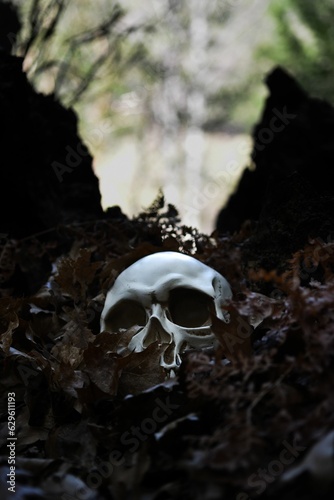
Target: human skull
[168,295]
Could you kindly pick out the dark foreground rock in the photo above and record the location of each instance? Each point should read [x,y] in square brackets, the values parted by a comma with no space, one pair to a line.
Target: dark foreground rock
[289,196]
[46,174]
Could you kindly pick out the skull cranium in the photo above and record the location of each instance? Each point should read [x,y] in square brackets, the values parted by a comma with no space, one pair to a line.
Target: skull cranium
[168,294]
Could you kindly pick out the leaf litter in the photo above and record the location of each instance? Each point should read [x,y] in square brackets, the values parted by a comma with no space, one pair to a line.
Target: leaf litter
[97,421]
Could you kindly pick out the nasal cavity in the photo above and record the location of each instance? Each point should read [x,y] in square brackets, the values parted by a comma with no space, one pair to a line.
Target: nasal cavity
[156,332]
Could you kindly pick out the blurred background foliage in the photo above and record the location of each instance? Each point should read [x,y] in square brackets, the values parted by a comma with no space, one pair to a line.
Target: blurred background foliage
[167,91]
[304,43]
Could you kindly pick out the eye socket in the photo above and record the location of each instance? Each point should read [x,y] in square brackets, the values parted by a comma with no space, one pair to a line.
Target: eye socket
[126,314]
[189,308]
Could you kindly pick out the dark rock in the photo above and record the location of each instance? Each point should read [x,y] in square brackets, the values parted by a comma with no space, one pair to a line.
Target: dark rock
[46,174]
[289,196]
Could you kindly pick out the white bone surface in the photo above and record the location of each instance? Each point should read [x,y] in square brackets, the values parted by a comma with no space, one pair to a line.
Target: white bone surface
[157,287]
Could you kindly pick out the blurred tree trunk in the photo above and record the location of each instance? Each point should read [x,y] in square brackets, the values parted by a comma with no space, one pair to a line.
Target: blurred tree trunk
[196,100]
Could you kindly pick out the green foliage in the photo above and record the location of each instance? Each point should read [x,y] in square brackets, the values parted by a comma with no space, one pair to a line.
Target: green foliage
[87,52]
[304,44]
[236,107]
[74,48]
[129,65]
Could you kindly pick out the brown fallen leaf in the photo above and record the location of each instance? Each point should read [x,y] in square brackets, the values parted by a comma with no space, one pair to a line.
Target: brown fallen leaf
[141,370]
[6,337]
[75,275]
